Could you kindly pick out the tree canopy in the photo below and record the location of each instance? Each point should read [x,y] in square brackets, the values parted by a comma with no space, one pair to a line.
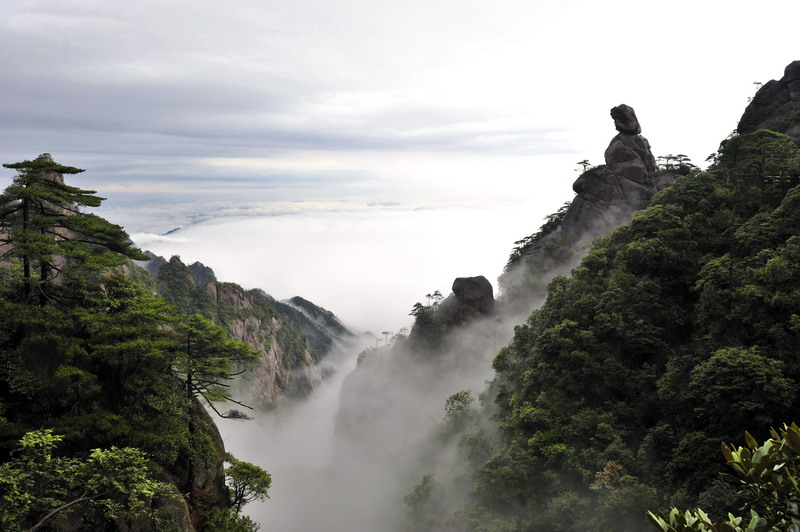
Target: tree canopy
[41,224]
[673,334]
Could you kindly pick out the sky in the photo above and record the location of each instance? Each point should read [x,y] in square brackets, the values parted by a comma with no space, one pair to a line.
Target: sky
[363,153]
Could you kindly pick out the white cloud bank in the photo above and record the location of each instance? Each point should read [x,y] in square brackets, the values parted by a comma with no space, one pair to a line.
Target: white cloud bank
[368,266]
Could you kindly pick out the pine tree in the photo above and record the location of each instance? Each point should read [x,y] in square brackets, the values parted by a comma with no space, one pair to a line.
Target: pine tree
[41,224]
[205,363]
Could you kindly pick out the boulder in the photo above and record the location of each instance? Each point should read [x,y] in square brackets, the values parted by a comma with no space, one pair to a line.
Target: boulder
[475,292]
[472,299]
[625,120]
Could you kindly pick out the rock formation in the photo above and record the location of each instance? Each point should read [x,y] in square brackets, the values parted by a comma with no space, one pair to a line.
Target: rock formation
[472,299]
[609,194]
[607,197]
[776,106]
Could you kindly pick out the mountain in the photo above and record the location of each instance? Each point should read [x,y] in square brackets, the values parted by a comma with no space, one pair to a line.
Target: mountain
[100,426]
[389,406]
[665,321]
[674,333]
[291,338]
[607,196]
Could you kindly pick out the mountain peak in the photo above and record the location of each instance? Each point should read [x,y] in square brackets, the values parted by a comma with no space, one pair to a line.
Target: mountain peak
[776,106]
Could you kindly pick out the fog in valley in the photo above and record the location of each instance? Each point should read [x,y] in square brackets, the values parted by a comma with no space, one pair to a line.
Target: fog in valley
[362,154]
[345,458]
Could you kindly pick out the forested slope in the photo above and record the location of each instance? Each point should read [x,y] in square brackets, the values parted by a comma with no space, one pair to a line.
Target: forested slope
[101,421]
[676,332]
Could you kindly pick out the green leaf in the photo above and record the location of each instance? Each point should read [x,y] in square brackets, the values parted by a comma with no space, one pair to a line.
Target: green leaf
[658,521]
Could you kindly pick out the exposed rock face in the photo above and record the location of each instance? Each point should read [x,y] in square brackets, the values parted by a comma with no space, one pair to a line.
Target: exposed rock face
[270,378]
[609,194]
[625,120]
[476,293]
[209,487]
[607,197]
[776,106]
[207,478]
[285,368]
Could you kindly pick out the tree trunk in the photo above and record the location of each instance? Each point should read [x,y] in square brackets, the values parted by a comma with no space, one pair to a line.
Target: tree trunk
[190,475]
[26,260]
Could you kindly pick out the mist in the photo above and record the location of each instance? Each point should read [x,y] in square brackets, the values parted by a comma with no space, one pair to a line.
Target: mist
[369,267]
[344,459]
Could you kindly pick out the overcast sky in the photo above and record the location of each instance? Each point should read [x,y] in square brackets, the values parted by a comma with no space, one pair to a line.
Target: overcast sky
[355,116]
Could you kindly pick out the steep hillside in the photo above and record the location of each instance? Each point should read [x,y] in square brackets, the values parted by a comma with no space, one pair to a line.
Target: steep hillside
[776,106]
[607,196]
[390,405]
[676,332]
[291,340]
[101,426]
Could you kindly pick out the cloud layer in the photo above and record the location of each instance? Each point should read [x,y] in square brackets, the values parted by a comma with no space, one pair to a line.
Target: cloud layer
[182,99]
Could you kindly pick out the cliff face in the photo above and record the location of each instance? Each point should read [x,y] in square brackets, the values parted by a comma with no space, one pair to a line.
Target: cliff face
[283,369]
[286,367]
[776,106]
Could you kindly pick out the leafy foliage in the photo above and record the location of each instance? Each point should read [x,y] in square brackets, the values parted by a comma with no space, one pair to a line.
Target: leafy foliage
[113,484]
[672,332]
[190,296]
[766,476]
[534,244]
[100,361]
[41,224]
[206,357]
[247,482]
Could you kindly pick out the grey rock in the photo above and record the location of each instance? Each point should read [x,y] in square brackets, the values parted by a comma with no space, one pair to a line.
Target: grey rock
[625,119]
[475,292]
[609,194]
[776,106]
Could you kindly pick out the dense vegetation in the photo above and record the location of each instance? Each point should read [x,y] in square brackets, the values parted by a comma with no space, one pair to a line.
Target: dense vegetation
[100,425]
[675,333]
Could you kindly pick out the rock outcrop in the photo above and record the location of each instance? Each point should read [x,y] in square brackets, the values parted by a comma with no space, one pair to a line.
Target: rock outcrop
[776,106]
[472,299]
[280,371]
[609,194]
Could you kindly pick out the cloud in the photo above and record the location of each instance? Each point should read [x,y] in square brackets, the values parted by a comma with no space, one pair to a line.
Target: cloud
[368,265]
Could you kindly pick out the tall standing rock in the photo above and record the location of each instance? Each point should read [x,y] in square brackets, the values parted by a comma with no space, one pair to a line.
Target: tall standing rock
[609,194]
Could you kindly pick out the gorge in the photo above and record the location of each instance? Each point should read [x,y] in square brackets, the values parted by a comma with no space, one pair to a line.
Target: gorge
[650,319]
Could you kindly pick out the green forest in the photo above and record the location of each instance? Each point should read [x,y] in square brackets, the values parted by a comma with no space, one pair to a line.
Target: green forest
[656,388]
[101,381]
[650,377]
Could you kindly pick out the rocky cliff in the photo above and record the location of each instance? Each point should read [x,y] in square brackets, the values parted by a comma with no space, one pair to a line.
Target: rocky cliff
[609,194]
[776,106]
[290,343]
